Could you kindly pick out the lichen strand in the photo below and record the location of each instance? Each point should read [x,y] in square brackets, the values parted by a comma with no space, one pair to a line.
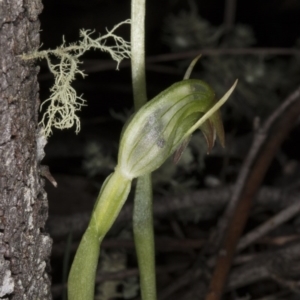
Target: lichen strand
[64,103]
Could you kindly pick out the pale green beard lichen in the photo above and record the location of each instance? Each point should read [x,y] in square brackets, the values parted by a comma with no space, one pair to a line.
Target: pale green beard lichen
[64,102]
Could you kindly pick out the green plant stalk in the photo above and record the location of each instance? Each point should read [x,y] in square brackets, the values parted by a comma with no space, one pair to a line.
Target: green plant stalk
[114,192]
[144,237]
[142,214]
[137,37]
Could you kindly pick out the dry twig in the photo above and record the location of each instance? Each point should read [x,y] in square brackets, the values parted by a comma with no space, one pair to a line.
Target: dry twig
[279,263]
[269,225]
[60,226]
[252,173]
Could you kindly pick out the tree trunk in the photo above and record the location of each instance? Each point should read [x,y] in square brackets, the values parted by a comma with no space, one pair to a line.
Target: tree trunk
[24,245]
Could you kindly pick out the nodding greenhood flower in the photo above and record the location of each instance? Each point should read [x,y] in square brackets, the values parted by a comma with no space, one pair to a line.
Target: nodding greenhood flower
[164,126]
[161,127]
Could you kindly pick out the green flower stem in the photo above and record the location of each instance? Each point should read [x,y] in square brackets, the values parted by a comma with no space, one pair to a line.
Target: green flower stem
[142,215]
[110,201]
[81,282]
[138,52]
[144,236]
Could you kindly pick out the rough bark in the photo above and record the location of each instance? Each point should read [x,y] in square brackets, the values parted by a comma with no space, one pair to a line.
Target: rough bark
[24,245]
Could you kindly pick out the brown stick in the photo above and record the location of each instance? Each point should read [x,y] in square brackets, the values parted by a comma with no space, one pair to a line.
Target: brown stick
[237,222]
[258,142]
[269,225]
[268,197]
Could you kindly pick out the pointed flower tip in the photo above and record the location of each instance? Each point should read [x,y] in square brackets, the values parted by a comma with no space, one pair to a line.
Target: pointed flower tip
[211,123]
[217,119]
[211,112]
[191,67]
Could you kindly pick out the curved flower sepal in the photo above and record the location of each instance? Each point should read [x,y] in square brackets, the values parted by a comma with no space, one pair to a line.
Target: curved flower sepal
[165,124]
[213,128]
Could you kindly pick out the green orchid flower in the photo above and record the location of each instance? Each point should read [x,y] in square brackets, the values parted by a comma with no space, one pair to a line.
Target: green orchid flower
[162,127]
